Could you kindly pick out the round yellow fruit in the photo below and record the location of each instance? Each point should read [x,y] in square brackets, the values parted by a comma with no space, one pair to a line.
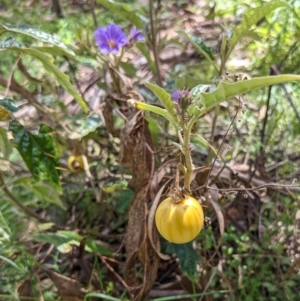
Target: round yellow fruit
[75,163]
[179,222]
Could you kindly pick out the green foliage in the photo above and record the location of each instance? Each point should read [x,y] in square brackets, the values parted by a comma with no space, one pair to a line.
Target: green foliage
[124,10]
[47,61]
[6,107]
[205,50]
[38,152]
[38,35]
[92,208]
[64,239]
[250,18]
[164,97]
[8,104]
[42,191]
[226,91]
[187,257]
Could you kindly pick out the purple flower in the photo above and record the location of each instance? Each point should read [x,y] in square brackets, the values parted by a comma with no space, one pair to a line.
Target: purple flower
[176,95]
[136,34]
[110,38]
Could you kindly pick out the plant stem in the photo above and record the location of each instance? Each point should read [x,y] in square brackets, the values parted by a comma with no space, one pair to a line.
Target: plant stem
[188,158]
[17,202]
[154,42]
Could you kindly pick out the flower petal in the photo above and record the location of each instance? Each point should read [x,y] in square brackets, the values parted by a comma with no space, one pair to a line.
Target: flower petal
[110,38]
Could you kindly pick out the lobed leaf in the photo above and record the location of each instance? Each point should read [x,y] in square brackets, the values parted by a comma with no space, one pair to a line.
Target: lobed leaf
[225,90]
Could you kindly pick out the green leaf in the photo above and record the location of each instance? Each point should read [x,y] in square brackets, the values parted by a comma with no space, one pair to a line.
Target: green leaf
[10,42]
[3,224]
[164,97]
[201,46]
[42,190]
[8,261]
[226,90]
[115,186]
[38,152]
[123,10]
[154,128]
[187,257]
[188,82]
[5,146]
[145,107]
[8,104]
[146,53]
[129,69]
[38,35]
[253,35]
[48,64]
[6,107]
[250,18]
[93,246]
[123,198]
[196,91]
[52,50]
[83,127]
[64,237]
[177,145]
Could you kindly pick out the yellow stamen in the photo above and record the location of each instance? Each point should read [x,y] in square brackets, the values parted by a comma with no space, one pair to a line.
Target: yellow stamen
[111,43]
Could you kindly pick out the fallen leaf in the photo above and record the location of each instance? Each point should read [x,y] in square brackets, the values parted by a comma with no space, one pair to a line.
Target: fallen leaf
[68,289]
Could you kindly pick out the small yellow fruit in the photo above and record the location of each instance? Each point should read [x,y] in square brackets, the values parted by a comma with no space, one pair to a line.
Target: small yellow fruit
[75,163]
[179,222]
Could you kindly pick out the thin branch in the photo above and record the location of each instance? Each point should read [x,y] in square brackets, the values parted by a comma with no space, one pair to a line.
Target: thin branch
[287,94]
[15,87]
[260,187]
[11,74]
[213,128]
[217,155]
[93,7]
[263,130]
[57,8]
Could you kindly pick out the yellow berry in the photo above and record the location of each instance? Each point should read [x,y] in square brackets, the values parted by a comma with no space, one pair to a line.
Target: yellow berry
[75,163]
[179,222]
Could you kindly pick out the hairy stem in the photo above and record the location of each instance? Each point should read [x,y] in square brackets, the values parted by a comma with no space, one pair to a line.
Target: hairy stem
[188,158]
